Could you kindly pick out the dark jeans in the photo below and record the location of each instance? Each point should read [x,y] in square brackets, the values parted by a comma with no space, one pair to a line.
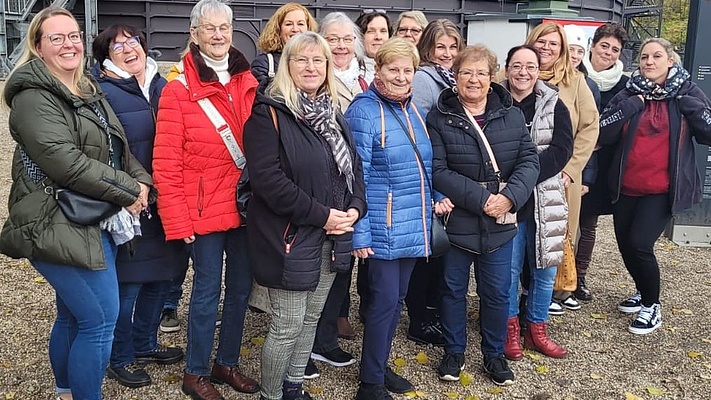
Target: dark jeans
[175,291]
[207,252]
[327,331]
[87,308]
[586,243]
[388,281]
[423,294]
[139,316]
[639,221]
[493,279]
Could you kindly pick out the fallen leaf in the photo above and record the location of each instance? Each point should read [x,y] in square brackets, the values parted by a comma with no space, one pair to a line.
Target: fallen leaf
[622,286]
[587,334]
[672,329]
[465,379]
[595,376]
[6,365]
[400,362]
[422,358]
[472,397]
[410,395]
[533,356]
[631,396]
[10,396]
[684,311]
[243,351]
[674,262]
[257,340]
[39,279]
[172,378]
[614,273]
[695,354]
[654,391]
[415,394]
[598,316]
[451,395]
[315,390]
[541,369]
[495,390]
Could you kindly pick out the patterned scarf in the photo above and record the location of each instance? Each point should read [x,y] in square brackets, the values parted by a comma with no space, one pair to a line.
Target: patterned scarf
[446,74]
[383,90]
[320,115]
[606,79]
[638,84]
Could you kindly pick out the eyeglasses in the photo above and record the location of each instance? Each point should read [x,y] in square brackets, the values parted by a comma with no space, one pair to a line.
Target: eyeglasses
[302,62]
[518,67]
[414,31]
[58,39]
[211,29]
[333,40]
[373,11]
[132,42]
[551,43]
[481,75]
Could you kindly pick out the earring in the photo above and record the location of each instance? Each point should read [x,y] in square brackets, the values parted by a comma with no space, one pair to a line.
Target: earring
[490,90]
[454,89]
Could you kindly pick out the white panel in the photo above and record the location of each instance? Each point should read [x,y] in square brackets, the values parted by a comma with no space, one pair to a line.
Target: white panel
[497,34]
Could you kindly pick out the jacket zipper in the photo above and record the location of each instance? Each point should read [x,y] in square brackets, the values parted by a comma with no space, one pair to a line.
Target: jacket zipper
[389,210]
[423,196]
[201,196]
[289,239]
[120,186]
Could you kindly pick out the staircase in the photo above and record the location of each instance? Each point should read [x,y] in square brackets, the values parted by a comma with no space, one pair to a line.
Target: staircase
[642,19]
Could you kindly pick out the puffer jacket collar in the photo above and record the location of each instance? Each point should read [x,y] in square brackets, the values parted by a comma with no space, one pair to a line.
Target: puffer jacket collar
[202,80]
[498,101]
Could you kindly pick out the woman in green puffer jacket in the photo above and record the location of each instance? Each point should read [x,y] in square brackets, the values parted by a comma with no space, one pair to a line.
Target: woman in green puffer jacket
[67,136]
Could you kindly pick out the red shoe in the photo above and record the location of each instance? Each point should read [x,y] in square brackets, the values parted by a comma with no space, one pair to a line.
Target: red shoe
[512,345]
[537,339]
[230,375]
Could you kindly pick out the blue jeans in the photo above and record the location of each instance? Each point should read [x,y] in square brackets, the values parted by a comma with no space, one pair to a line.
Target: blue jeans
[87,308]
[493,278]
[388,281]
[207,252]
[540,289]
[175,292]
[139,316]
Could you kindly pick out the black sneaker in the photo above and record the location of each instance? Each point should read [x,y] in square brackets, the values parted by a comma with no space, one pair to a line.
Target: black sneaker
[372,392]
[450,367]
[571,303]
[499,371]
[427,333]
[301,395]
[396,383]
[169,321]
[336,357]
[132,375]
[162,355]
[556,308]
[648,320]
[582,292]
[632,304]
[311,371]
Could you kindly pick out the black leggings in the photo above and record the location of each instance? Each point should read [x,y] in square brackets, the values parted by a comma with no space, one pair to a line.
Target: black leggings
[639,221]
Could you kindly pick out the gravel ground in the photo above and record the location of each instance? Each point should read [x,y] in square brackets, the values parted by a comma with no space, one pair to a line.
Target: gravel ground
[604,361]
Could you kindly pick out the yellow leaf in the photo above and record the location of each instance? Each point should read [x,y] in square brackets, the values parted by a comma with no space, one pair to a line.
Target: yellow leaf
[257,340]
[6,365]
[623,286]
[630,396]
[315,390]
[614,273]
[672,329]
[472,397]
[39,279]
[422,358]
[533,356]
[595,376]
[451,395]
[398,370]
[172,378]
[400,362]
[695,354]
[674,262]
[495,390]
[654,391]
[243,351]
[420,394]
[684,311]
[541,369]
[587,334]
[10,396]
[598,316]
[465,379]
[706,340]
[410,395]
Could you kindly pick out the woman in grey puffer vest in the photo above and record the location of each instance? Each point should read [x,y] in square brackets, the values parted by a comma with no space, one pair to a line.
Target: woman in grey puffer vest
[542,221]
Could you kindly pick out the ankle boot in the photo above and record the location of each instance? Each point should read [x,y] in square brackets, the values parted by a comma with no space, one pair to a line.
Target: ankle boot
[537,339]
[512,345]
[200,388]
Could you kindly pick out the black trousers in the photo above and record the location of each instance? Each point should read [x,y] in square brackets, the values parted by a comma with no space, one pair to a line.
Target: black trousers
[639,221]
[424,291]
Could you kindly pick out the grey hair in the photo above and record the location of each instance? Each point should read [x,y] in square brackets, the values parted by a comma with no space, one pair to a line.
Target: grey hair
[204,7]
[342,19]
[416,15]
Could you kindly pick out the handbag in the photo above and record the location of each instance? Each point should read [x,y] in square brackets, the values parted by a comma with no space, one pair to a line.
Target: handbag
[566,277]
[509,217]
[439,241]
[82,209]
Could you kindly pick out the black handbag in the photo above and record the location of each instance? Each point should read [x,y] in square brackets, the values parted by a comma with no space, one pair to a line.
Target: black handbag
[439,241]
[244,194]
[82,209]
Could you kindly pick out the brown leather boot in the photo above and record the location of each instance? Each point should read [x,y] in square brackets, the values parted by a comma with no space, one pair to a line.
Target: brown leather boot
[345,330]
[512,345]
[537,339]
[230,375]
[199,388]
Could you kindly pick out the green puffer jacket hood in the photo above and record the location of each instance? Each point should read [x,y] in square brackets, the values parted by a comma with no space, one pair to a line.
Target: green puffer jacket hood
[61,133]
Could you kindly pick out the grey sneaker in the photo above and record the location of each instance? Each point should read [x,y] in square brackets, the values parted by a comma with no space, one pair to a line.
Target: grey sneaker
[632,304]
[169,321]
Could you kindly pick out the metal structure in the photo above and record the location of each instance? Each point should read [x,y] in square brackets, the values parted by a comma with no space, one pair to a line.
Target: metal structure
[642,20]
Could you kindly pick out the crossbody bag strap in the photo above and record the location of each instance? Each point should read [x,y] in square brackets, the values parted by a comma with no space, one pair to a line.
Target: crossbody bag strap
[223,129]
[486,143]
[270,61]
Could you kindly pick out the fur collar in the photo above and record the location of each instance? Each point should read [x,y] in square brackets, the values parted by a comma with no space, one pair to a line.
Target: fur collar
[237,64]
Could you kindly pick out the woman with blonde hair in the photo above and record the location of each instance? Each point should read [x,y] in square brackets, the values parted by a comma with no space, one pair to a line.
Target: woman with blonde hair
[287,21]
[557,69]
[409,25]
[68,137]
[307,192]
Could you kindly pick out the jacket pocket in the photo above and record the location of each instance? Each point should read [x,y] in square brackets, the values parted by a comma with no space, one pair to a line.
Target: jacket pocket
[289,238]
[201,196]
[302,257]
[389,211]
[341,259]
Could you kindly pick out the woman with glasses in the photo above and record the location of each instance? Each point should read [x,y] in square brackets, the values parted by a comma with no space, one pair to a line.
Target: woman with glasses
[196,171]
[69,137]
[307,192]
[287,21]
[556,69]
[542,219]
[132,85]
[374,24]
[472,120]
[409,25]
[346,43]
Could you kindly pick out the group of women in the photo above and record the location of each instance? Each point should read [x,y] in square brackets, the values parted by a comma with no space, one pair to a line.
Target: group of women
[354,142]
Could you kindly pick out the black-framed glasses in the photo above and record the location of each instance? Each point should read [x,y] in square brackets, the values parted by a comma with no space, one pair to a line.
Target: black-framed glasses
[58,39]
[404,31]
[132,42]
[373,11]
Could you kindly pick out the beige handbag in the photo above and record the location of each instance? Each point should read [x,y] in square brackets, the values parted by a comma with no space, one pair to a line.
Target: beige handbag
[259,298]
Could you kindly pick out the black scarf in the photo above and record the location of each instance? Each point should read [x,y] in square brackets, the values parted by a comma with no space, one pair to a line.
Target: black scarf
[638,84]
[446,74]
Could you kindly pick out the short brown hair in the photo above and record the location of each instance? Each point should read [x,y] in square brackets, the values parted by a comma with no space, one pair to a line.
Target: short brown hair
[433,32]
[477,52]
[612,29]
[396,47]
[270,39]
[100,48]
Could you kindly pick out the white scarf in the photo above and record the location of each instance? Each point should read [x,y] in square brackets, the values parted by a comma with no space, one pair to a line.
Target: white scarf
[151,71]
[350,76]
[220,67]
[606,79]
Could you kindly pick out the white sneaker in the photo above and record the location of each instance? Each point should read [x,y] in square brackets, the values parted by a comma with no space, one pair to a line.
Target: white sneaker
[631,304]
[555,308]
[648,320]
[571,303]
